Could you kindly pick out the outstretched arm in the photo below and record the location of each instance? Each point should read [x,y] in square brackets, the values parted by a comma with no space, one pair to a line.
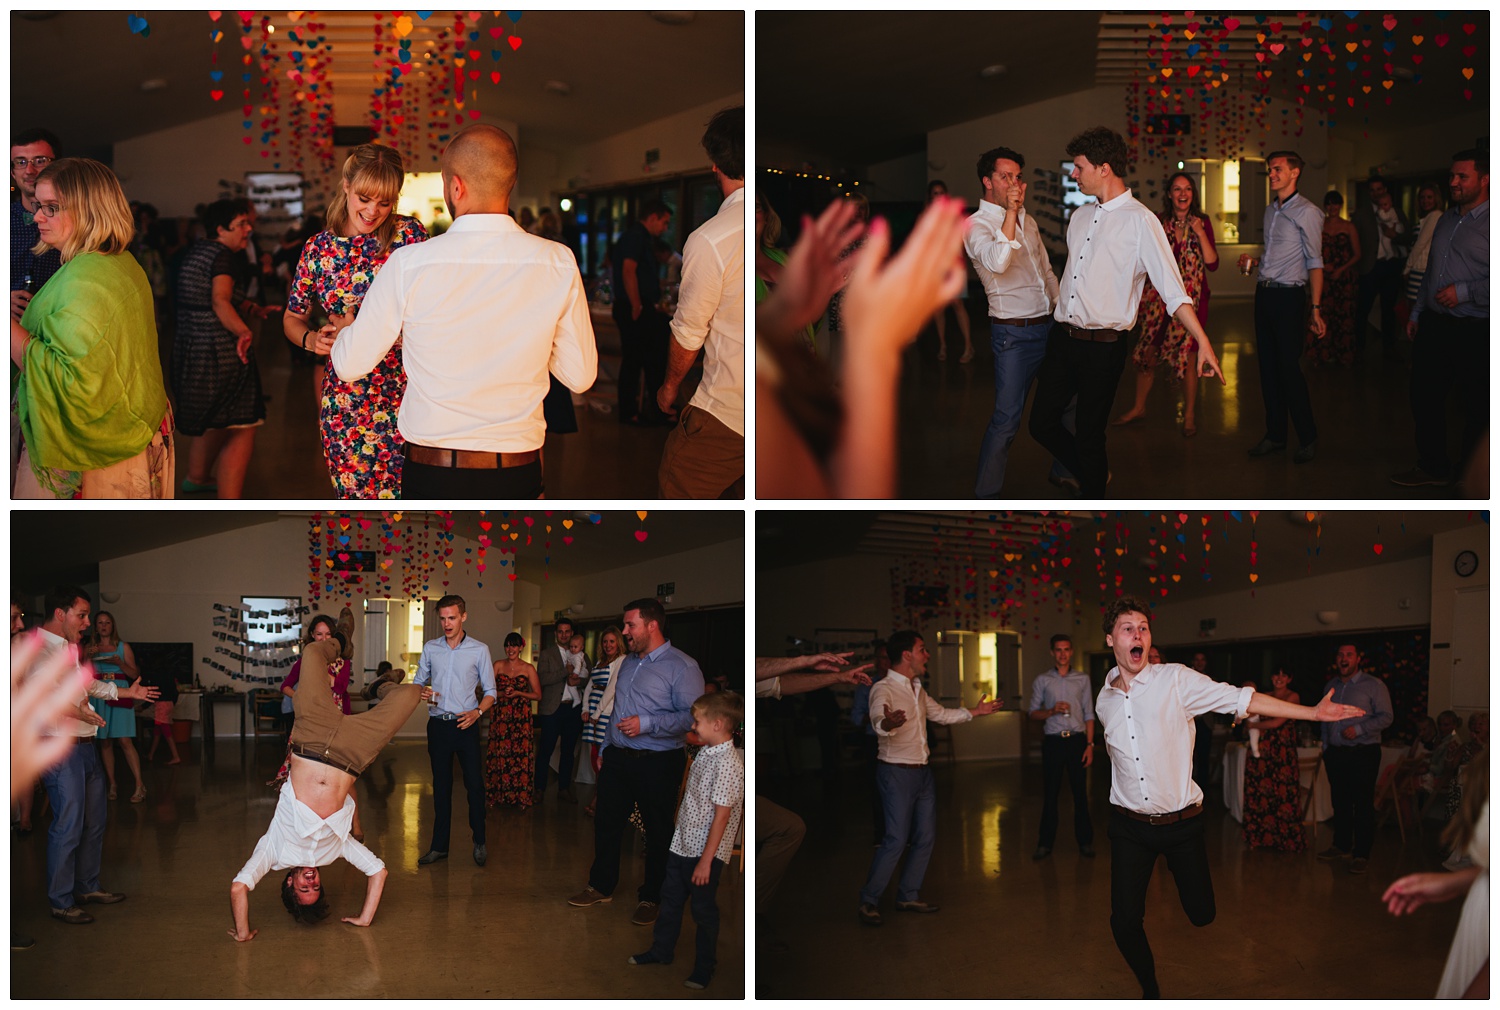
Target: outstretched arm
[824,662]
[375,884]
[802,683]
[1326,710]
[239,907]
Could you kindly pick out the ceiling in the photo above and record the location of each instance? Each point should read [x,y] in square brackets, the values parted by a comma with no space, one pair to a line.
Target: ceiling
[48,548]
[79,73]
[887,79]
[1289,547]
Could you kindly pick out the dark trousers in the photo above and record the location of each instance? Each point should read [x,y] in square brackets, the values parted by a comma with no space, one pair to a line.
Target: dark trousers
[1384,280]
[1279,330]
[677,889]
[1352,772]
[1091,372]
[1134,847]
[643,349]
[418,480]
[869,746]
[445,741]
[627,778]
[566,724]
[1063,756]
[1449,354]
[1203,747]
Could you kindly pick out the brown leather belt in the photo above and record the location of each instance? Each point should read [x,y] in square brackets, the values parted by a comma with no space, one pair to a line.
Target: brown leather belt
[1033,321]
[1172,818]
[1097,336]
[898,764]
[307,753]
[464,459]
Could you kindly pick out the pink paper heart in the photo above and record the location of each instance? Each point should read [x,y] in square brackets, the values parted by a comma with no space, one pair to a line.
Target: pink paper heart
[640,535]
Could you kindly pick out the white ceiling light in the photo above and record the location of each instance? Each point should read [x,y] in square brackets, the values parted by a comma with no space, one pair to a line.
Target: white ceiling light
[992,71]
[560,88]
[155,84]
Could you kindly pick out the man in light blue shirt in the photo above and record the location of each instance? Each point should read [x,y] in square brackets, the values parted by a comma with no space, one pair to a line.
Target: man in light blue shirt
[1291,264]
[1061,699]
[1450,322]
[643,756]
[457,668]
[1351,752]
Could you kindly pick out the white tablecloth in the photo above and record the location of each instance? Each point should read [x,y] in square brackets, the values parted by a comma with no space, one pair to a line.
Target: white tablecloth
[1235,754]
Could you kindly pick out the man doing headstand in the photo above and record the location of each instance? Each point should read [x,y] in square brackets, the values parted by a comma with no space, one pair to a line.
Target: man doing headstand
[311,827]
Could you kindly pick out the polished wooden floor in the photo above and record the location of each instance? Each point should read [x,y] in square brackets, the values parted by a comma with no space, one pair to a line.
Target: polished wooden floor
[1363,414]
[603,459]
[1287,926]
[450,930]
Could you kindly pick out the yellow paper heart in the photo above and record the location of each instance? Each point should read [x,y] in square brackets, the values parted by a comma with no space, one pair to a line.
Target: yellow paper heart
[403,27]
[1166,71]
[1254,577]
[1351,46]
[1367,89]
[641,514]
[1387,84]
[448,563]
[1468,72]
[567,524]
[459,60]
[396,516]
[329,562]
[1177,578]
[1416,40]
[1188,35]
[515,536]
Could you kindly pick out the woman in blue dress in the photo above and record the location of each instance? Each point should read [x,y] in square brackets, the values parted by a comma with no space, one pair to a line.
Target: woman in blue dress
[595,712]
[114,661]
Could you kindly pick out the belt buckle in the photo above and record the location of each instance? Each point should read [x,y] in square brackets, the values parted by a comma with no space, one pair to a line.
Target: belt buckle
[1066,733]
[1158,818]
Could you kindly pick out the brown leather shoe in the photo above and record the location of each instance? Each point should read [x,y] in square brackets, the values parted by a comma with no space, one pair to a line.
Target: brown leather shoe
[588,896]
[74,915]
[645,913]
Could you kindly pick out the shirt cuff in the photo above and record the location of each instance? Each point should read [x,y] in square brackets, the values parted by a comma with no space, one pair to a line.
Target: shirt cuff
[1461,289]
[1242,707]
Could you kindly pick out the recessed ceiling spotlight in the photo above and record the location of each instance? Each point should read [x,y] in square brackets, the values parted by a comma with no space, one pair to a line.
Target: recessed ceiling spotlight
[992,71]
[155,84]
[558,88]
[674,17]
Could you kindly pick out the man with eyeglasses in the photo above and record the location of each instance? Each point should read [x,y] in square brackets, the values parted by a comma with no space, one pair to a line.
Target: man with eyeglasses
[30,152]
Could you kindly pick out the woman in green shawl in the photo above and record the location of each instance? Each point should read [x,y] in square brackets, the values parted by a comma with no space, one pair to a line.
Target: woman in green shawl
[768,259]
[88,391]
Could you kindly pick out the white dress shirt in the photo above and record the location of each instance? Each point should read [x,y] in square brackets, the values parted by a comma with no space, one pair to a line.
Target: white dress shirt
[484,311]
[907,743]
[1017,286]
[299,837]
[711,309]
[576,663]
[68,725]
[1112,248]
[1149,732]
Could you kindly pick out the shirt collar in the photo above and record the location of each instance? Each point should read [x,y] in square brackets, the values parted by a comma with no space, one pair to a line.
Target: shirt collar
[1144,677]
[486,222]
[1120,201]
[1482,210]
[718,748]
[1281,204]
[738,196]
[52,639]
[655,653]
[307,824]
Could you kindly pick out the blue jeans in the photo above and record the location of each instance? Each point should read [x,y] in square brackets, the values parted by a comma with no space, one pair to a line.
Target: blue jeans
[677,890]
[910,801]
[1018,355]
[75,842]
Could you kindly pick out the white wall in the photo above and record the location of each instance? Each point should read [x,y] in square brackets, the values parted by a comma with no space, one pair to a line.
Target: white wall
[1463,687]
[179,167]
[622,157]
[852,592]
[705,577]
[902,179]
[167,594]
[1366,599]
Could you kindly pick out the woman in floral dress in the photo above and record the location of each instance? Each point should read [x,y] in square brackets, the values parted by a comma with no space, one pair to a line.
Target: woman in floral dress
[357,419]
[1163,339]
[1340,281]
[508,763]
[1273,802]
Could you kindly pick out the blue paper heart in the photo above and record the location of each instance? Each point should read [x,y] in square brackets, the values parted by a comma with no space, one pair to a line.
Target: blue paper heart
[495,54]
[1389,46]
[216,74]
[404,56]
[138,26]
[473,36]
[344,540]
[1325,23]
[1192,50]
[1351,15]
[515,17]
[248,124]
[406,43]
[424,15]
[296,57]
[1351,64]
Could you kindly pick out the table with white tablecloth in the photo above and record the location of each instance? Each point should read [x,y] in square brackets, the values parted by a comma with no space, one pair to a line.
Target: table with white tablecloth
[1235,754]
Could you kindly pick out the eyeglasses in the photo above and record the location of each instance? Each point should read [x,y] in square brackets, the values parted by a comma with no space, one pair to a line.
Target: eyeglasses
[40,161]
[48,210]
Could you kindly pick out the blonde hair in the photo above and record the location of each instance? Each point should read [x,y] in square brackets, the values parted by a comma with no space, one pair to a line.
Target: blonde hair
[375,172]
[725,705]
[772,229]
[89,191]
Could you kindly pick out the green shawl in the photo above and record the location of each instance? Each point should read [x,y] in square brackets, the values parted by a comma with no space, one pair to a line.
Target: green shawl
[91,394]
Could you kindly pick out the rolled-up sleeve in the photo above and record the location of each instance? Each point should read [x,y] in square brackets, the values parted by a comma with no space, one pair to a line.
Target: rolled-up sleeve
[362,344]
[258,865]
[575,352]
[988,247]
[937,713]
[1200,694]
[1161,265]
[486,672]
[361,858]
[1310,231]
[881,695]
[698,296]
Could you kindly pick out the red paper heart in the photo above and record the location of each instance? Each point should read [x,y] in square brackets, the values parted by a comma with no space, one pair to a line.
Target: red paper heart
[473,75]
[1389,22]
[495,33]
[216,95]
[1470,50]
[640,535]
[494,77]
[1416,58]
[1469,29]
[1441,40]
[485,524]
[1276,48]
[1379,548]
[474,114]
[515,43]
[474,54]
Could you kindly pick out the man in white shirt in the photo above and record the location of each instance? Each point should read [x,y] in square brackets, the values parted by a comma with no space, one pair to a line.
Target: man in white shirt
[1113,246]
[75,785]
[484,312]
[1006,249]
[314,816]
[705,454]
[1147,712]
[900,711]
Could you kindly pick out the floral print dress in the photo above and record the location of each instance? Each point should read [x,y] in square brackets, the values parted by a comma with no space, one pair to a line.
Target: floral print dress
[1163,339]
[357,420]
[509,762]
[1273,802]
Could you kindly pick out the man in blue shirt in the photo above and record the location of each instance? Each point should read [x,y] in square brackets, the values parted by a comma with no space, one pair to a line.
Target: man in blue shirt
[1351,752]
[457,668]
[1060,700]
[30,152]
[1450,323]
[643,756]
[1292,262]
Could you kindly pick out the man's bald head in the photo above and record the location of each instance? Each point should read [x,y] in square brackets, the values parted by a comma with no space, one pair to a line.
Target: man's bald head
[484,158]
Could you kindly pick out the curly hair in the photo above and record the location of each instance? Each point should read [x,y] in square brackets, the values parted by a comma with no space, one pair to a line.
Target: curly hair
[1123,604]
[1102,146]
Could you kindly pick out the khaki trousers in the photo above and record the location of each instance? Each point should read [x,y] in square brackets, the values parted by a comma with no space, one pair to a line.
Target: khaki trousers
[324,733]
